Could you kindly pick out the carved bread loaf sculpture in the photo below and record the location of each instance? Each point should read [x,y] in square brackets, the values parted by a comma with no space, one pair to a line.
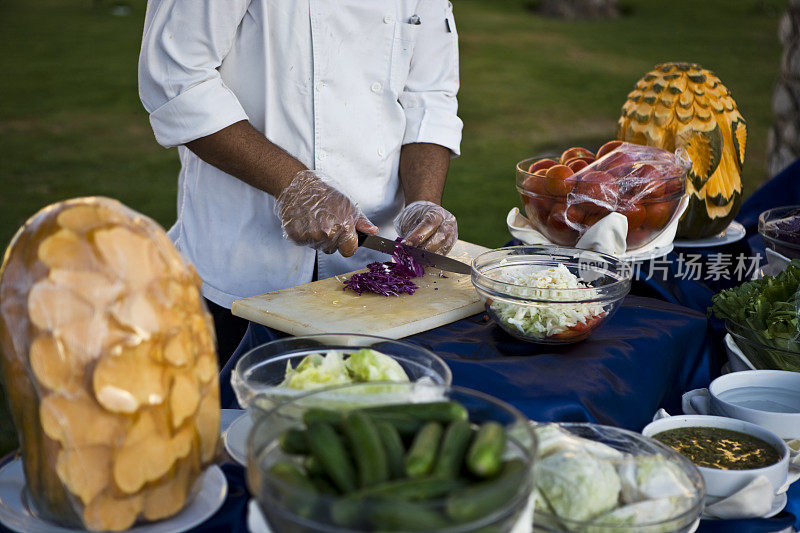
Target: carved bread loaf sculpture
[108,358]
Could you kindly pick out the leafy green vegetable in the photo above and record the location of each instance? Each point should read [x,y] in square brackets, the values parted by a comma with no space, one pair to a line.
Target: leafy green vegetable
[765,311]
[334,368]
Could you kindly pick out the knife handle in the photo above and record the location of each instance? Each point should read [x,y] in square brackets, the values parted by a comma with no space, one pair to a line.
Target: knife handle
[361,237]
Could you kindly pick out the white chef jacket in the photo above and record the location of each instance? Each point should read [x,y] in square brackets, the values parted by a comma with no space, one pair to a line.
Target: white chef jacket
[339,84]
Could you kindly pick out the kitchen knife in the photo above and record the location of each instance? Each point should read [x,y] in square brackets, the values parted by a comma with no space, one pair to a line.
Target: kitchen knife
[423,257]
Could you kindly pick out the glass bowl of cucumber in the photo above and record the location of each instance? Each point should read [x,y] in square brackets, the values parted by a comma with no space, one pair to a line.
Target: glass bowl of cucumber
[280,370]
[463,462]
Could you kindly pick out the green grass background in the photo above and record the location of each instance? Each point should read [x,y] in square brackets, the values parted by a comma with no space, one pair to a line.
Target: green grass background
[71,123]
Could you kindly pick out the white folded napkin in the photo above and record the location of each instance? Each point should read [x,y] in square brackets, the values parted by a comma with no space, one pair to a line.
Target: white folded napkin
[607,235]
[776,263]
[738,361]
[754,499]
[255,519]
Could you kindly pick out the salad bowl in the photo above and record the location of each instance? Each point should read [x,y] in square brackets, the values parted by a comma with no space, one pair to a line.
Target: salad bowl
[548,294]
[258,376]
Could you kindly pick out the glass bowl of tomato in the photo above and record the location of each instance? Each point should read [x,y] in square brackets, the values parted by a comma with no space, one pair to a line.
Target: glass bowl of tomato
[564,196]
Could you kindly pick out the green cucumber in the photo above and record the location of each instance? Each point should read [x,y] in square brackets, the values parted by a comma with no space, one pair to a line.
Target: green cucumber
[393,444]
[422,453]
[444,412]
[410,489]
[347,511]
[367,449]
[404,516]
[313,466]
[480,499]
[291,474]
[294,441]
[298,502]
[453,449]
[406,425]
[327,447]
[323,485]
[485,454]
[314,414]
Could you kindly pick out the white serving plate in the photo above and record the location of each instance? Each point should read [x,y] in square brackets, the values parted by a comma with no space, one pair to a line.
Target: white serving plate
[17,514]
[734,232]
[235,438]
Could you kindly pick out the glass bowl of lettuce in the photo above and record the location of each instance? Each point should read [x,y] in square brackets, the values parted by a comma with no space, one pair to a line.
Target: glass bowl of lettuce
[763,318]
[285,369]
[603,479]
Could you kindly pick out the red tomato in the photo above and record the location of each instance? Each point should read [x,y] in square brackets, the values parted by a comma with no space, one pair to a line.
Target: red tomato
[658,214]
[635,214]
[558,231]
[576,151]
[534,184]
[559,181]
[610,146]
[638,237]
[542,164]
[538,208]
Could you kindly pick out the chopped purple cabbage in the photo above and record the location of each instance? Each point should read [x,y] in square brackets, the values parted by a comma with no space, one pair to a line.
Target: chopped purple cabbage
[391,278]
[788,229]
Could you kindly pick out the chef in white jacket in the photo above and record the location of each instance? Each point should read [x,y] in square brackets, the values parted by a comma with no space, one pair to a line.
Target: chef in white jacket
[297,122]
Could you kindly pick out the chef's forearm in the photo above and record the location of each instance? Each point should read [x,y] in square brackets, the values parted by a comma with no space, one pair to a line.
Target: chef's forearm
[423,170]
[243,152]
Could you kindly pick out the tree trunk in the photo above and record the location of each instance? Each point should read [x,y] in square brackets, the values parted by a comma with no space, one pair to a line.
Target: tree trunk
[579,9]
[783,142]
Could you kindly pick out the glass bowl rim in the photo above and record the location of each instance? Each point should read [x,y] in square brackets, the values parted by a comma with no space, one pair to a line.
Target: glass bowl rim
[530,160]
[696,509]
[531,455]
[238,371]
[617,289]
[736,336]
[763,219]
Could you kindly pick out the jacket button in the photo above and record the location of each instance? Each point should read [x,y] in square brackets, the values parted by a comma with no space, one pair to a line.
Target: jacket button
[388,19]
[376,87]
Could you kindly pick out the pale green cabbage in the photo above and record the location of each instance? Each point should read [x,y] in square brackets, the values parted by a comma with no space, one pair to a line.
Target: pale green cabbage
[578,486]
[317,371]
[371,365]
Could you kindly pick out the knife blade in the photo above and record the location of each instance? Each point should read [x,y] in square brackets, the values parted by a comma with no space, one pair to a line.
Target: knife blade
[423,257]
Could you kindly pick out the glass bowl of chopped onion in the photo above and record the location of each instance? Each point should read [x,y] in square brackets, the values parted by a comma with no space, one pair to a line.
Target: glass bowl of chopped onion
[550,294]
[285,369]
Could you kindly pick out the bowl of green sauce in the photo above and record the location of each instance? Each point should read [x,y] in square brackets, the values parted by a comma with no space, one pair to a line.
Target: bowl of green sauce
[729,453]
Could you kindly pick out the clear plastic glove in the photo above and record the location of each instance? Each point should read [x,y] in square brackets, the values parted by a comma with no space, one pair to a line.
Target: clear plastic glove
[313,212]
[427,225]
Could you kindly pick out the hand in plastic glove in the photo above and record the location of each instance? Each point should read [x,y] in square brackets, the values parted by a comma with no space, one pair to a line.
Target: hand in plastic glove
[427,225]
[315,213]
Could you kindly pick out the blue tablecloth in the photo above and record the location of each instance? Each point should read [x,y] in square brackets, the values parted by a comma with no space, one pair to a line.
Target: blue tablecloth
[654,349]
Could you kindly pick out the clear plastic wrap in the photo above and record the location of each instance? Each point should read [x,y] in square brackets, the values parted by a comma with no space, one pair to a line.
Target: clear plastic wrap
[108,359]
[565,196]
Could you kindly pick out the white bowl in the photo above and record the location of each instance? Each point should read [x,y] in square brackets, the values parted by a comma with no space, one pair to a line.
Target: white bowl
[768,398]
[723,483]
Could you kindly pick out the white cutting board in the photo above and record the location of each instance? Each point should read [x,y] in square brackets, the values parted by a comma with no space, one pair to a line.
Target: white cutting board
[323,307]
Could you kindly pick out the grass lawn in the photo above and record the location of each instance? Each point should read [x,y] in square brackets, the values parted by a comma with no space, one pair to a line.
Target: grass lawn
[71,123]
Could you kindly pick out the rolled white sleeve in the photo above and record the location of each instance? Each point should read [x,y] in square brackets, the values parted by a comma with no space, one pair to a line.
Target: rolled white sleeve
[429,98]
[183,45]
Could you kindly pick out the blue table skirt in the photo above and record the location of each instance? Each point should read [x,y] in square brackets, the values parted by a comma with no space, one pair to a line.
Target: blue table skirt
[644,358]
[647,355]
